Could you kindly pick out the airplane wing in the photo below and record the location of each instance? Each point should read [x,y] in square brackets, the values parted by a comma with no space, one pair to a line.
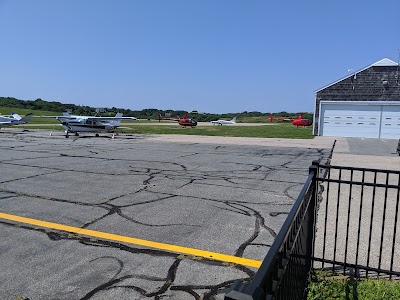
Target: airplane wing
[90,118]
[59,117]
[110,118]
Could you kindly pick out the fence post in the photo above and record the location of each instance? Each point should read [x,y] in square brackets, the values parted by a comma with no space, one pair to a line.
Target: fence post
[311,226]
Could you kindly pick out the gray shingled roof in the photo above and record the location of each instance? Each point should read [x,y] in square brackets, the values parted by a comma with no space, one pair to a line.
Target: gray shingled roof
[385,62]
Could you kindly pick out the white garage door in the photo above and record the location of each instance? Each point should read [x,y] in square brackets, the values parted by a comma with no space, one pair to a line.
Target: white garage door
[390,124]
[370,121]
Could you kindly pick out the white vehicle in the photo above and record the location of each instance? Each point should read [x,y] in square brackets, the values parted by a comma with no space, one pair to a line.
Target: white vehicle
[15,120]
[76,124]
[224,122]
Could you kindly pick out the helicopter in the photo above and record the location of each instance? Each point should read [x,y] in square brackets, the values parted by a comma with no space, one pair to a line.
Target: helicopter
[185,121]
[300,121]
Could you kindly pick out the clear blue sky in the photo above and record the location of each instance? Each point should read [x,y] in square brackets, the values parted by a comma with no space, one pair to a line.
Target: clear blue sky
[208,55]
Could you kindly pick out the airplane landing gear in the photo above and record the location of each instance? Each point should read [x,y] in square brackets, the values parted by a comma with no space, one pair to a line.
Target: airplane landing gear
[76,134]
[97,135]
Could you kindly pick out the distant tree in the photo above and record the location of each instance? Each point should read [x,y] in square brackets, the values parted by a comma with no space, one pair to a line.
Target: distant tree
[149,113]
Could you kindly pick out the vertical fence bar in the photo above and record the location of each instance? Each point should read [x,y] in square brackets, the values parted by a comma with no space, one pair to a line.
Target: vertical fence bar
[383,222]
[371,220]
[312,221]
[348,223]
[326,218]
[337,220]
[314,208]
[360,216]
[395,227]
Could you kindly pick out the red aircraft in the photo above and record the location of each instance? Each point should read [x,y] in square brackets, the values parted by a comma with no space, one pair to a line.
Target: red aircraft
[300,121]
[185,121]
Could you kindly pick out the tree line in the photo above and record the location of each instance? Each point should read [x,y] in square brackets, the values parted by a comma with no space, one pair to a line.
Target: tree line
[150,113]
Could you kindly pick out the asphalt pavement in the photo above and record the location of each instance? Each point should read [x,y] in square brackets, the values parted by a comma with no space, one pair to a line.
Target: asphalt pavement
[366,153]
[142,216]
[150,216]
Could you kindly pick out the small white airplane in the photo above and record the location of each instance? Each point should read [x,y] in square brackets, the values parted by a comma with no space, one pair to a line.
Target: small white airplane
[15,120]
[76,124]
[224,122]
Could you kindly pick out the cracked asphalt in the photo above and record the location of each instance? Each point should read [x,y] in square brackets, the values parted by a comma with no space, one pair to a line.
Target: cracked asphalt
[228,196]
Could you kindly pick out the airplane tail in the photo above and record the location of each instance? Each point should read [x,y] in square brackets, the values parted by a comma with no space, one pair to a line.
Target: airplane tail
[159,117]
[300,116]
[16,116]
[66,114]
[185,115]
[116,122]
[233,120]
[26,118]
[270,118]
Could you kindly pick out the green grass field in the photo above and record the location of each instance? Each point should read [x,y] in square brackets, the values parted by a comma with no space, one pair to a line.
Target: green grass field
[269,131]
[280,130]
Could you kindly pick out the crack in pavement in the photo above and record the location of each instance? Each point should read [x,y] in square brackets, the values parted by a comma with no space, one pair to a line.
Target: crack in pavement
[29,177]
[214,168]
[168,280]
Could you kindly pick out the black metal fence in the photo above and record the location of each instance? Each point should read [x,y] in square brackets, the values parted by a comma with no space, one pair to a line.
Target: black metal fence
[357,222]
[344,219]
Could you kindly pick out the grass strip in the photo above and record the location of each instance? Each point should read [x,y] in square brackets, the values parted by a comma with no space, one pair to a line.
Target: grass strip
[286,131]
[328,285]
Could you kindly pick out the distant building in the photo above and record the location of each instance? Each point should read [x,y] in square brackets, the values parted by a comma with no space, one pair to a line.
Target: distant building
[100,110]
[364,104]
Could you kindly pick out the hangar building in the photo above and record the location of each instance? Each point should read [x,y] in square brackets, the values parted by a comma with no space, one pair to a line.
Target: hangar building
[364,104]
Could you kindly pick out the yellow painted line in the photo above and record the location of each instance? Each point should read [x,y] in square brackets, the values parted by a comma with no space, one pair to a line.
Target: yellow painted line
[130,240]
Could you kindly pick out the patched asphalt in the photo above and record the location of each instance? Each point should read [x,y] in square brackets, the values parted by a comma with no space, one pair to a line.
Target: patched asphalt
[229,196]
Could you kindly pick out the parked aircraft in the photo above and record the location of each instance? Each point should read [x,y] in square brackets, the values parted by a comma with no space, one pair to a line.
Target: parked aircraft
[185,121]
[76,124]
[15,120]
[224,122]
[300,121]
